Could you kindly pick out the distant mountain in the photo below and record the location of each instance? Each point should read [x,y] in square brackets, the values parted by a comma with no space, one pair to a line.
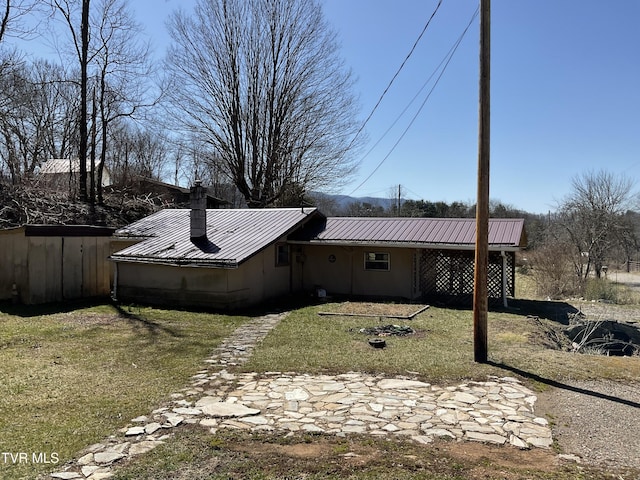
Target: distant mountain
[344,200]
[338,204]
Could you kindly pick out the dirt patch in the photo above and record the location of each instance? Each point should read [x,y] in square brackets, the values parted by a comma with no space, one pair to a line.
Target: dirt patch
[298,450]
[344,457]
[388,330]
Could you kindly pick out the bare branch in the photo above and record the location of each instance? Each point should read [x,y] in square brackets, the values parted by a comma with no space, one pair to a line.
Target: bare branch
[262,84]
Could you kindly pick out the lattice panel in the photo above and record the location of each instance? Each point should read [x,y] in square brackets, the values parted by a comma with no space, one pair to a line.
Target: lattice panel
[451,272]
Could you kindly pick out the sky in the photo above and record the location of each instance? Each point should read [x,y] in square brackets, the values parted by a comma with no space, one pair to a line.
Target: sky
[565,94]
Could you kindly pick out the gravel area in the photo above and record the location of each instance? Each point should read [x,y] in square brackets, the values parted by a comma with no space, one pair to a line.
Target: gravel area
[599,421]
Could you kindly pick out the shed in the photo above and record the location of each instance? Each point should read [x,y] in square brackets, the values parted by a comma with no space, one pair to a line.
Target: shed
[50,263]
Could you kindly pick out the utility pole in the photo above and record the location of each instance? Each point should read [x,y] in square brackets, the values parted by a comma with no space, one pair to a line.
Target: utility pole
[480,289]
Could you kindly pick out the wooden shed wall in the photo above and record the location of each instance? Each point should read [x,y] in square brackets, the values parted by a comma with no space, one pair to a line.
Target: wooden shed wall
[54,268]
[13,261]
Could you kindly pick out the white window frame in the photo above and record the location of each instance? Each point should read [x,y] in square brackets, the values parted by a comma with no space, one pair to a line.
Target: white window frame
[386,260]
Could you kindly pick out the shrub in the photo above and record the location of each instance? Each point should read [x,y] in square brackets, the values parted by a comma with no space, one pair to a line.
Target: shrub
[600,289]
[553,272]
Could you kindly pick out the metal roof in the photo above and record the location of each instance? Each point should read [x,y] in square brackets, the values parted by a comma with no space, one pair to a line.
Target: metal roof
[62,165]
[233,236]
[455,232]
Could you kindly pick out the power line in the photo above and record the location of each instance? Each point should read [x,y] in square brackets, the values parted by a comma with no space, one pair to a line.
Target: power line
[401,114]
[418,196]
[395,75]
[447,60]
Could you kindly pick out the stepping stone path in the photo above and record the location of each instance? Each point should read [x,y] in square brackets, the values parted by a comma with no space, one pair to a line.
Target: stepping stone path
[497,411]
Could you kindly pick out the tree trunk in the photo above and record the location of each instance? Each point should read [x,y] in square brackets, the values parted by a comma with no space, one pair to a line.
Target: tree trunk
[83,99]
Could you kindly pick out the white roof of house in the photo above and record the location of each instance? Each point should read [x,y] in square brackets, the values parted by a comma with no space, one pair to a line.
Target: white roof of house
[62,165]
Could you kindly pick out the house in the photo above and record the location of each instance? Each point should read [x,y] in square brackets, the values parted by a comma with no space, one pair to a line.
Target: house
[52,263]
[173,193]
[222,258]
[60,173]
[225,258]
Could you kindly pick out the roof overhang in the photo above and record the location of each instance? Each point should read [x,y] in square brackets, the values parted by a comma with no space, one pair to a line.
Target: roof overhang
[420,245]
[33,230]
[176,262]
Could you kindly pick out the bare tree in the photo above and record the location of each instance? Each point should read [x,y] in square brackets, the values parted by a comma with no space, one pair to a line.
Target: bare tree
[122,68]
[593,218]
[4,22]
[35,119]
[261,82]
[12,76]
[135,153]
[70,11]
[11,15]
[114,66]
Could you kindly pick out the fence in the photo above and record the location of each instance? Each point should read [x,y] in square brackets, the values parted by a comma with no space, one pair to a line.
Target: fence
[633,266]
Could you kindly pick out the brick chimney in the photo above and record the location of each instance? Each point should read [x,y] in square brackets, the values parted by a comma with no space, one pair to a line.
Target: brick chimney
[198,214]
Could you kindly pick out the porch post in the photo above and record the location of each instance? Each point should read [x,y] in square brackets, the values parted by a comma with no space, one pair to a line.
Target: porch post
[504,279]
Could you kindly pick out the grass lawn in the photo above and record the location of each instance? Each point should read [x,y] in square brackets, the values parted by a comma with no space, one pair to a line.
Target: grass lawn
[440,352]
[70,379]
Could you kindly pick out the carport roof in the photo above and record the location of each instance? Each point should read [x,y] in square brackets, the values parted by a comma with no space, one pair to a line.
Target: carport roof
[507,233]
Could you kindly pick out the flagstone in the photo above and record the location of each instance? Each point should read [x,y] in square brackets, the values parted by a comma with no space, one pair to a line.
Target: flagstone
[486,437]
[66,475]
[399,384]
[496,411]
[224,409]
[107,457]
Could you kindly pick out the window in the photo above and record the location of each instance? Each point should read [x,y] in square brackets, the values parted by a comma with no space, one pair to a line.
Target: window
[376,261]
[282,255]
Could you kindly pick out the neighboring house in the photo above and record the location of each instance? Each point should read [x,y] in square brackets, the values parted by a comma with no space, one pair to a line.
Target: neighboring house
[60,173]
[174,193]
[236,258]
[51,263]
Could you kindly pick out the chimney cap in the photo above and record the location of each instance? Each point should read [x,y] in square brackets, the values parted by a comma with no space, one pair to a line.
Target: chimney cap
[197,183]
